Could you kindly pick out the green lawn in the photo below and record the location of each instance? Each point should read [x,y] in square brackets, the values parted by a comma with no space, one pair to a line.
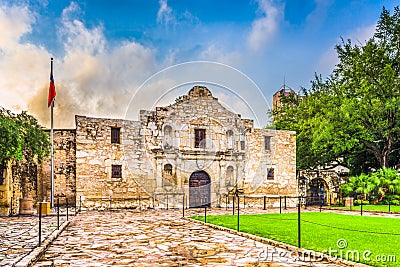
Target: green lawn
[384,208]
[321,231]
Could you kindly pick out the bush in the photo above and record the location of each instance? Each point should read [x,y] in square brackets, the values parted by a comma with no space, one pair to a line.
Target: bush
[358,202]
[395,202]
[393,199]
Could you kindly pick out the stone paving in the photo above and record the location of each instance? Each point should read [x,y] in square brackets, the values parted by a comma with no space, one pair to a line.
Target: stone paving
[19,236]
[156,238]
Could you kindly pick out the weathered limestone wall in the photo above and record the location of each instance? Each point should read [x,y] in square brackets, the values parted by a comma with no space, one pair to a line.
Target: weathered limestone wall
[249,164]
[281,158]
[64,169]
[95,155]
[6,189]
[18,180]
[176,146]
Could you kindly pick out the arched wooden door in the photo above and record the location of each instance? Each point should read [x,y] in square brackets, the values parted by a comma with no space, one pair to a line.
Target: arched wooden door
[199,190]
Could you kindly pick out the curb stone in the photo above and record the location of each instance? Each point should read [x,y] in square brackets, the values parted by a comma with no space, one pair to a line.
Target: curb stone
[38,252]
[280,244]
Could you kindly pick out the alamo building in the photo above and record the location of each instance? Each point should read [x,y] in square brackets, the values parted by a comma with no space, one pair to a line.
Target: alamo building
[193,151]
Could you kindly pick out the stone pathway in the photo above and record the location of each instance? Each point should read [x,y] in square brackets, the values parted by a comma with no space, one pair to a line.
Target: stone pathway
[157,238]
[19,236]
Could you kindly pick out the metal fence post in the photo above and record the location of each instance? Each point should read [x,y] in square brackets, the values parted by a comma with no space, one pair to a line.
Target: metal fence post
[233,205]
[11,207]
[40,223]
[226,202]
[167,201]
[265,202]
[66,202]
[80,204]
[298,223]
[280,204]
[58,213]
[183,206]
[361,207]
[205,214]
[238,213]
[389,206]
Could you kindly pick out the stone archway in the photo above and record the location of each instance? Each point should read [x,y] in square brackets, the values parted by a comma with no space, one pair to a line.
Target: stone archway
[318,192]
[199,190]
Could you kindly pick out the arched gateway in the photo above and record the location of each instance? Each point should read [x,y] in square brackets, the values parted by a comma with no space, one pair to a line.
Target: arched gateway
[199,189]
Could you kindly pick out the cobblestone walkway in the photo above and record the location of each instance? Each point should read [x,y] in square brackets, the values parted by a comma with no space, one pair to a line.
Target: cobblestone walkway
[19,235]
[155,238]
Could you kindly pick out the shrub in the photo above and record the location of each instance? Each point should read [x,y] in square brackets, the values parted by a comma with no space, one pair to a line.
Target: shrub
[358,202]
[395,202]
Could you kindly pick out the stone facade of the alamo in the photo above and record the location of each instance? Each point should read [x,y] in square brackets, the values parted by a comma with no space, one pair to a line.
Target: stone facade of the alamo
[194,149]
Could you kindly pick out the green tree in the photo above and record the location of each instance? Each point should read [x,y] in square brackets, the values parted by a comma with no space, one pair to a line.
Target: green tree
[361,184]
[21,137]
[10,140]
[387,181]
[374,186]
[352,117]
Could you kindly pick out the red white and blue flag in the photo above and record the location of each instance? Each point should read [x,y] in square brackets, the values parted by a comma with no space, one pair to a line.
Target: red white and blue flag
[52,89]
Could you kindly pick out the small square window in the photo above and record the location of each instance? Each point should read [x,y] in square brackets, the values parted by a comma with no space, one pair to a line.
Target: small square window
[267,143]
[115,135]
[116,171]
[270,174]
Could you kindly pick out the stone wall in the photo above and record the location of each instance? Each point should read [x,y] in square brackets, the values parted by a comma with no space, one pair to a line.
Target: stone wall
[6,189]
[158,155]
[19,180]
[64,169]
[152,160]
[95,156]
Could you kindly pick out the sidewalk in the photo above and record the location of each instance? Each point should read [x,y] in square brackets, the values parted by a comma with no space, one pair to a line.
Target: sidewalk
[158,238]
[19,236]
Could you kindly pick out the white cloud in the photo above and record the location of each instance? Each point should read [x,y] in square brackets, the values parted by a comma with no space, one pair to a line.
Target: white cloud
[165,15]
[22,65]
[318,15]
[264,28]
[217,54]
[91,79]
[77,36]
[15,21]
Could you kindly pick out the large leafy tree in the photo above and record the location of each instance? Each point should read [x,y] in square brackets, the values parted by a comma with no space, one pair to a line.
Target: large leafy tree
[21,137]
[352,117]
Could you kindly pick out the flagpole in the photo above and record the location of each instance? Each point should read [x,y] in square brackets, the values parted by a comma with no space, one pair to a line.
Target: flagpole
[52,147]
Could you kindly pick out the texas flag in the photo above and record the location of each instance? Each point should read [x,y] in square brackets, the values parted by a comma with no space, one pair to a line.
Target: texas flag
[52,89]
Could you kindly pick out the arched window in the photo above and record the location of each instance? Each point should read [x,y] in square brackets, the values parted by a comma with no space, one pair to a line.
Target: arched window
[168,178]
[229,176]
[168,169]
[168,137]
[229,138]
[243,141]
[168,131]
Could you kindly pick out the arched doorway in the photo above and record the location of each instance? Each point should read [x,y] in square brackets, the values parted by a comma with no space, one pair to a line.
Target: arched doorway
[199,190]
[317,192]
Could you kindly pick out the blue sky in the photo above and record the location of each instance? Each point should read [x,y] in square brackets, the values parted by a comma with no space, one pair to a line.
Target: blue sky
[104,50]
